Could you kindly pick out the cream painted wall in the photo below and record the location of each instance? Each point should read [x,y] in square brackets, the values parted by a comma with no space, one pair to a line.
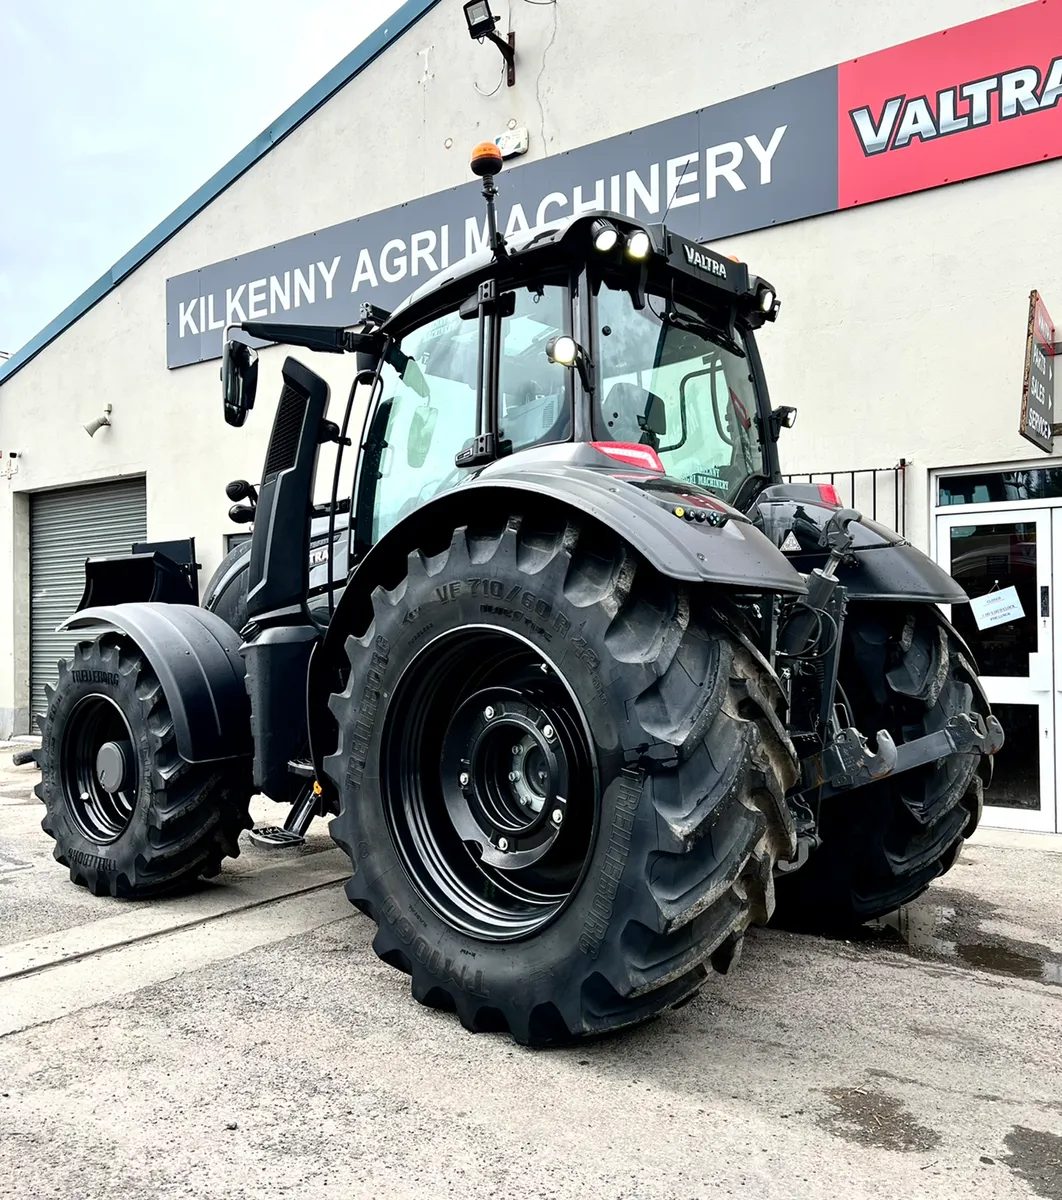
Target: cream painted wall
[901,331]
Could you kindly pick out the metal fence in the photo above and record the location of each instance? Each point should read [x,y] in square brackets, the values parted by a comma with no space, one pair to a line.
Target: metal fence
[878,492]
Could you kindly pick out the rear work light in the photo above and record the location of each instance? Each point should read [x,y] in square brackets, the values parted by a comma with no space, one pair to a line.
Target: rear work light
[631,454]
[828,493]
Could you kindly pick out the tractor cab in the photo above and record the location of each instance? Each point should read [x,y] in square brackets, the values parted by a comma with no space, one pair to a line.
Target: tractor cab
[626,342]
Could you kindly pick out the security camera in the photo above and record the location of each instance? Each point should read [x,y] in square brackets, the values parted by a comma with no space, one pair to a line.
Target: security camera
[99,422]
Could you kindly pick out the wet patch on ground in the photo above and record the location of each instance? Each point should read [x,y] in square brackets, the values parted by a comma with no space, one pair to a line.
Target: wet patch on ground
[876,1119]
[1036,1157]
[930,930]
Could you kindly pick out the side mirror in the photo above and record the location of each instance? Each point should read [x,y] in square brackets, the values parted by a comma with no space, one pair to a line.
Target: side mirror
[239,380]
[240,489]
[654,419]
[421,431]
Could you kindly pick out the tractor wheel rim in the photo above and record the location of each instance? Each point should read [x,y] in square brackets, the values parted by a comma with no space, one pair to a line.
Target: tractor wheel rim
[489,782]
[98,769]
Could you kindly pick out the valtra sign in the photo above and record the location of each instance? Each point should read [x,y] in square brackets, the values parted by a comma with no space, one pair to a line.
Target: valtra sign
[968,101]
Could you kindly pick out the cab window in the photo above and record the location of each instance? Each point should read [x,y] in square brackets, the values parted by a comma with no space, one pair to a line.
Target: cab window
[533,400]
[427,410]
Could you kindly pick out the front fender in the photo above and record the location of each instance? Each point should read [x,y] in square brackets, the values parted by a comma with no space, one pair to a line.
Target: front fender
[196,657]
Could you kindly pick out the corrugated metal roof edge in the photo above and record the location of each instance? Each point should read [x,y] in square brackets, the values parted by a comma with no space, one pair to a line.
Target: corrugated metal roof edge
[340,75]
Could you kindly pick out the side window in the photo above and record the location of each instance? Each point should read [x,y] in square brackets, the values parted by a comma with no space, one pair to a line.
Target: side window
[431,394]
[533,392]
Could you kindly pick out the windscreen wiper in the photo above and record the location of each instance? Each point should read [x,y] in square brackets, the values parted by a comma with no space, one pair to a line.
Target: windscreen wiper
[692,325]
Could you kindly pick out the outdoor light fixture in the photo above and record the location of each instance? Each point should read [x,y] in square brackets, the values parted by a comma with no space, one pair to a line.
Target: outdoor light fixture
[639,245]
[605,235]
[92,427]
[481,23]
[566,352]
[562,350]
[766,300]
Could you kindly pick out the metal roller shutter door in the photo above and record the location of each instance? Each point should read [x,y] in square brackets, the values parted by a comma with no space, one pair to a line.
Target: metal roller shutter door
[66,527]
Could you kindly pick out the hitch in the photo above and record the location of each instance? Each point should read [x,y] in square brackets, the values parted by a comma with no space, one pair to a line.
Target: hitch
[847,762]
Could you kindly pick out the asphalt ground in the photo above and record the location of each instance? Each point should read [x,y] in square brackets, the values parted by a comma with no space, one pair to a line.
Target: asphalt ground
[244,1041]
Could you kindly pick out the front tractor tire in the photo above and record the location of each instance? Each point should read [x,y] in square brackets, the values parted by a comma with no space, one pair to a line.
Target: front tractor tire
[561,779]
[904,670]
[129,816]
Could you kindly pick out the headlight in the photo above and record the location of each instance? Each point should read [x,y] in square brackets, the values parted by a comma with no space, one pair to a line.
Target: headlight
[639,245]
[605,235]
[766,300]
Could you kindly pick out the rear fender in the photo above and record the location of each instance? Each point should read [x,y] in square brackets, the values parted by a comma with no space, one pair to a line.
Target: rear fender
[196,657]
[636,505]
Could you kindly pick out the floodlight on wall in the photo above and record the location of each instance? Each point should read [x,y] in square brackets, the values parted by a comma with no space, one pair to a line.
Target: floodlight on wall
[481,22]
[99,422]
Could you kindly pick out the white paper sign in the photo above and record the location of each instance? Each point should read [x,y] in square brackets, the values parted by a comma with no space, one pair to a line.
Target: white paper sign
[996,608]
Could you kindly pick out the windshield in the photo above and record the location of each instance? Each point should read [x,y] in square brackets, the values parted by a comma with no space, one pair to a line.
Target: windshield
[677,390]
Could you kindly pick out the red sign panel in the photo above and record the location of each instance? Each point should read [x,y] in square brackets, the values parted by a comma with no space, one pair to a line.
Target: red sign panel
[969,101]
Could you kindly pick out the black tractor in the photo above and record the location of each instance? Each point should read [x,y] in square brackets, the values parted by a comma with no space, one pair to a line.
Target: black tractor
[584,687]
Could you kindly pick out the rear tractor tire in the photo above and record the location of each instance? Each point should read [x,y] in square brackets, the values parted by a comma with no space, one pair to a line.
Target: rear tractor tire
[129,816]
[561,779]
[904,670]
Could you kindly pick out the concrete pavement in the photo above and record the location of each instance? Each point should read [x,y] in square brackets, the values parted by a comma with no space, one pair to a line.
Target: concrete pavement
[244,1041]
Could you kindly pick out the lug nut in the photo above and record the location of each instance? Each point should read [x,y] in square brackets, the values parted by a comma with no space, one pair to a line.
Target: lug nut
[503,844]
[463,778]
[488,712]
[513,777]
[547,732]
[518,750]
[558,816]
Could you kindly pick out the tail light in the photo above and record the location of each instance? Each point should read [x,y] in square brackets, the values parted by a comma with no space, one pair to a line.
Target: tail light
[631,454]
[828,493]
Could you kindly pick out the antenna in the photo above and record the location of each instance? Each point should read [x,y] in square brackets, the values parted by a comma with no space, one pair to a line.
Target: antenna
[486,163]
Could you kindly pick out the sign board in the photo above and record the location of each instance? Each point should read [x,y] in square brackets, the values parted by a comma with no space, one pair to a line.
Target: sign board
[1038,388]
[971,100]
[997,608]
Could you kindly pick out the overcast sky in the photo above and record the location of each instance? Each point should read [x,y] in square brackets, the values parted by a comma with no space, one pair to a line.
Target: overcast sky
[112,112]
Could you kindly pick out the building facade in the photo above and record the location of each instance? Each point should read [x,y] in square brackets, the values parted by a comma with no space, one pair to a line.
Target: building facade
[894,171]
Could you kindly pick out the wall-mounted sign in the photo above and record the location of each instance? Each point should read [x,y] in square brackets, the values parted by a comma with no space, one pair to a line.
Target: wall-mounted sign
[1038,388]
[975,99]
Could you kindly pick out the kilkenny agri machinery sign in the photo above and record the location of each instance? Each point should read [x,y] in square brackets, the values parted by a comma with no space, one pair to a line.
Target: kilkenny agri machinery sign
[968,101]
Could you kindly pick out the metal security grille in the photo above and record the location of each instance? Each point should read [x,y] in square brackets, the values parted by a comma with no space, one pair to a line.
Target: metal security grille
[879,493]
[66,527]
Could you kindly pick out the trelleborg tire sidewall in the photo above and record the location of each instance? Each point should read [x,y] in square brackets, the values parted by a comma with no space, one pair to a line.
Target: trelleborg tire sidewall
[577,942]
[119,856]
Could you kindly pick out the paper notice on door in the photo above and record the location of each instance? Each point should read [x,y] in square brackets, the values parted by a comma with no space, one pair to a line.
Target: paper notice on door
[997,608]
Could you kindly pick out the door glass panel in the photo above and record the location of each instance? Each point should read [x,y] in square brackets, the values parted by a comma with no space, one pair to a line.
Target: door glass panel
[989,557]
[432,415]
[1016,775]
[533,392]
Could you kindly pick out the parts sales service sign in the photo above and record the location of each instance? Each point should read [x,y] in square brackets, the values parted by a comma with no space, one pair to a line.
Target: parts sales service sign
[968,101]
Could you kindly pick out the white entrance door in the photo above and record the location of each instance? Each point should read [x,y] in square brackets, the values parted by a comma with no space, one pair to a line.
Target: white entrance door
[986,551]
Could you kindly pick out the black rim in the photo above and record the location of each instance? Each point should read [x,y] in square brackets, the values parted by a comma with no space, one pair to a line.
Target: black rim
[98,768]
[488,783]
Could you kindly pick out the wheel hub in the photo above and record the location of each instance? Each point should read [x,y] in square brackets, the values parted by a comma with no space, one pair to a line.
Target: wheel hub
[112,765]
[505,777]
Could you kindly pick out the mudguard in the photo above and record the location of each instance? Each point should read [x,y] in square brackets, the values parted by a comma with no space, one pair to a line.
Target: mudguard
[196,657]
[640,506]
[886,566]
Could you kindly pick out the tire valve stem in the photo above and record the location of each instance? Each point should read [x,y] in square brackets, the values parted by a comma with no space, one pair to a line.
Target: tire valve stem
[557,816]
[547,732]
[503,844]
[463,779]
[488,712]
